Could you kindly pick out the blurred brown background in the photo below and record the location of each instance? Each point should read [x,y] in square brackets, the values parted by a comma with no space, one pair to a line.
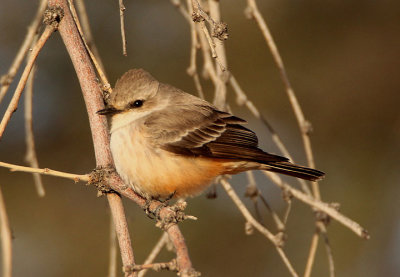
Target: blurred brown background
[343,60]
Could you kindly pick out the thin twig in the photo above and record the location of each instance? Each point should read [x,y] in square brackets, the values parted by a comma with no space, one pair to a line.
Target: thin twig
[7,79]
[122,20]
[30,156]
[305,126]
[80,5]
[6,239]
[46,171]
[276,240]
[94,102]
[192,69]
[12,107]
[311,255]
[92,94]
[106,87]
[328,248]
[153,254]
[319,205]
[221,91]
[242,99]
[171,266]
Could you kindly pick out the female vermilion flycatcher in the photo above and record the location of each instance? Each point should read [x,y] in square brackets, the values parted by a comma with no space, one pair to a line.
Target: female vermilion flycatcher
[166,142]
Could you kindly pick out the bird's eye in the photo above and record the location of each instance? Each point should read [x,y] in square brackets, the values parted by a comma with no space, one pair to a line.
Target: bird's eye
[136,104]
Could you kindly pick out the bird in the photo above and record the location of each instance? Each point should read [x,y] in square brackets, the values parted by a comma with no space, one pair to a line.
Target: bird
[167,143]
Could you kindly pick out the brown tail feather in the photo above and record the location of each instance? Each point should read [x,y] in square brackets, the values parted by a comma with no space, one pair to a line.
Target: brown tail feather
[290,169]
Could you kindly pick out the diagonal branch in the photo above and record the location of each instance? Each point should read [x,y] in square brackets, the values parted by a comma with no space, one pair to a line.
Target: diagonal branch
[7,79]
[12,107]
[94,102]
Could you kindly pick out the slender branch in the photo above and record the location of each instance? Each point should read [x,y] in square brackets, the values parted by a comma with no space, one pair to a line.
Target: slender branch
[192,69]
[12,107]
[153,254]
[275,239]
[106,87]
[305,126]
[30,156]
[46,171]
[7,79]
[311,255]
[319,205]
[94,101]
[221,91]
[86,30]
[6,239]
[171,266]
[122,20]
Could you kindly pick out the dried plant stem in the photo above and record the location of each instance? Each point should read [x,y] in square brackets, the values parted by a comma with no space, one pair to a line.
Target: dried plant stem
[82,63]
[153,254]
[328,249]
[98,125]
[21,85]
[122,21]
[311,255]
[80,4]
[276,240]
[241,99]
[221,62]
[192,69]
[30,156]
[318,205]
[97,63]
[46,171]
[7,79]
[6,239]
[303,123]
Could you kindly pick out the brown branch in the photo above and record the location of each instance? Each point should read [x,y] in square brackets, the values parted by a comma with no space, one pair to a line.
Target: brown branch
[305,126]
[7,79]
[311,254]
[46,171]
[156,250]
[106,87]
[192,69]
[277,240]
[12,107]
[86,30]
[30,156]
[171,266]
[6,239]
[122,20]
[319,205]
[94,102]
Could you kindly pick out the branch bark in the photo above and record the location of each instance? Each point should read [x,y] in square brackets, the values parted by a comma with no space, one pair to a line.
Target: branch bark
[98,125]
[94,102]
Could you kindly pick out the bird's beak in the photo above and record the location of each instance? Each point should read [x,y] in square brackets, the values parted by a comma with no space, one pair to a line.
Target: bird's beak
[108,111]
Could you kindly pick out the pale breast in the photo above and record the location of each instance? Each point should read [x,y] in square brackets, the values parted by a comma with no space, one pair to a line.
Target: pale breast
[153,172]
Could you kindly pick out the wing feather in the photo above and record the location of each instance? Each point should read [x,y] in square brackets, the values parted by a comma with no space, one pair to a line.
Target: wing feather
[205,131]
